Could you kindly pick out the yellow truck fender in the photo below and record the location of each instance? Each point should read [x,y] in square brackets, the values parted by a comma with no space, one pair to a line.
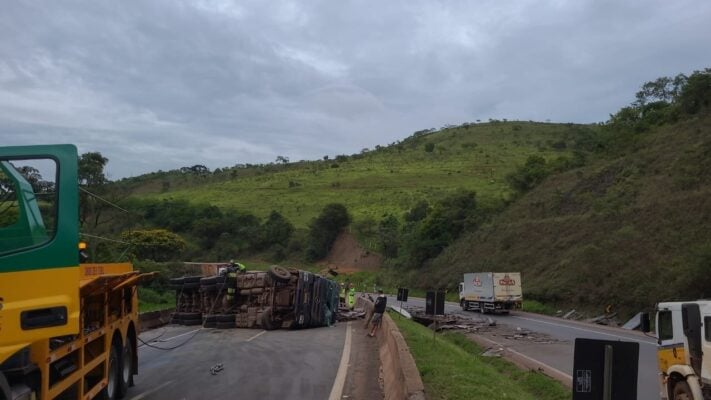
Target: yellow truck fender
[691,379]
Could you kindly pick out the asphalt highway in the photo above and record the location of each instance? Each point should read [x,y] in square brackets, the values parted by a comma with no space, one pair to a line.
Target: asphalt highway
[256,364]
[560,355]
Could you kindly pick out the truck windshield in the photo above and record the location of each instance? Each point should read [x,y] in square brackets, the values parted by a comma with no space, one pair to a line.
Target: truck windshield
[27,203]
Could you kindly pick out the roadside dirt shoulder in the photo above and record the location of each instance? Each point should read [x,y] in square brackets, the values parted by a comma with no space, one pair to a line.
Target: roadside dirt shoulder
[363,380]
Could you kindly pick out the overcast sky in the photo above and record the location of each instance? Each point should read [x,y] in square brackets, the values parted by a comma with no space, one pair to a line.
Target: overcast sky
[165,84]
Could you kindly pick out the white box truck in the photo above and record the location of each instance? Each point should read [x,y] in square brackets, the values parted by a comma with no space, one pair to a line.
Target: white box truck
[496,292]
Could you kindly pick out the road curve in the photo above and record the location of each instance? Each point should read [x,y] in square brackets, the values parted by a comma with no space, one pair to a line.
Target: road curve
[560,355]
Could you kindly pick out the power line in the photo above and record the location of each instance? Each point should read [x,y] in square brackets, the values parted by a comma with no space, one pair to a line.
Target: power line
[104,200]
[104,238]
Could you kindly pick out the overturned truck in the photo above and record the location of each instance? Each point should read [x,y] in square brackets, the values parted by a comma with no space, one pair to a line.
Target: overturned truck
[277,298]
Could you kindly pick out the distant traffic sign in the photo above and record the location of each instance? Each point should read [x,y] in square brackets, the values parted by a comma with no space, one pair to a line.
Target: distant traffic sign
[402,294]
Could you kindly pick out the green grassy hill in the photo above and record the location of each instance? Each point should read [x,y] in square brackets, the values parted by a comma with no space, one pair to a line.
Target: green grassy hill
[388,179]
[628,230]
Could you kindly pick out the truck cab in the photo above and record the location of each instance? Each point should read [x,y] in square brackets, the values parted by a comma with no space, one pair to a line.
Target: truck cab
[684,349]
[67,330]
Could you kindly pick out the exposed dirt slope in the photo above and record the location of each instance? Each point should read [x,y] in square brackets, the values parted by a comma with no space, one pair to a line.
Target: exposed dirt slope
[347,255]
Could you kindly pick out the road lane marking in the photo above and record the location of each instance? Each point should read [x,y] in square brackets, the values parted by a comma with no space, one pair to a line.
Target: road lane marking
[547,369]
[175,337]
[339,383]
[149,392]
[585,330]
[256,336]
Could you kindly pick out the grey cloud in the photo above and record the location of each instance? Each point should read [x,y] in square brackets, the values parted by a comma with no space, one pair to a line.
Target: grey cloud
[164,84]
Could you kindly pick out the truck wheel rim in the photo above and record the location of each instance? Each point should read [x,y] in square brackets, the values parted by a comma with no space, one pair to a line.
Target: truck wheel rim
[127,361]
[111,385]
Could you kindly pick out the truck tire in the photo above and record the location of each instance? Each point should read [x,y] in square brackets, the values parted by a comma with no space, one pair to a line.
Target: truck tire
[226,325]
[268,323]
[110,392]
[225,318]
[192,279]
[191,285]
[211,280]
[682,391]
[279,274]
[177,281]
[125,376]
[4,388]
[463,304]
[191,316]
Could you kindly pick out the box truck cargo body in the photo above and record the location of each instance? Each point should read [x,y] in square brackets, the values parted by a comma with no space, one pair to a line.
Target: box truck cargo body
[491,291]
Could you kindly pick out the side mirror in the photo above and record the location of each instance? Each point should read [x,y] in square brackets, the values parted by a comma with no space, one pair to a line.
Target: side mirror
[644,322]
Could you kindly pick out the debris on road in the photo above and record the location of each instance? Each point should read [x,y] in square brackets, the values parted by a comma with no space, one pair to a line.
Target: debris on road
[633,322]
[478,324]
[606,319]
[402,311]
[216,368]
[493,352]
[570,314]
[345,314]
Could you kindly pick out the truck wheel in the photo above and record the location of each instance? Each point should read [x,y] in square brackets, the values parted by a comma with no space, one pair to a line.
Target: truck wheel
[682,391]
[463,304]
[110,392]
[126,374]
[279,274]
[268,323]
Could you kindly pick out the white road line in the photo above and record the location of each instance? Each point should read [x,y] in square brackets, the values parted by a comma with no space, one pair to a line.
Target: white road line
[539,362]
[339,383]
[149,392]
[585,330]
[256,336]
[176,336]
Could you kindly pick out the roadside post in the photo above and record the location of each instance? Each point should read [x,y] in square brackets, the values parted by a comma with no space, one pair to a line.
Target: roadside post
[605,369]
[434,306]
[402,297]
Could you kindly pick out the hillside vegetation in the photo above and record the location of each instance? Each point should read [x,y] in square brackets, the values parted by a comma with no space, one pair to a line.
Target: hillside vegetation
[615,213]
[630,228]
[391,179]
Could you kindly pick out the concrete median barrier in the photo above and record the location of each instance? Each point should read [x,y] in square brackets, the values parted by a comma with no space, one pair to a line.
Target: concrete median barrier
[401,379]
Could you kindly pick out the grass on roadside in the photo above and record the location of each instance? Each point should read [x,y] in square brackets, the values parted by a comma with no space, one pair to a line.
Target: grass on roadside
[538,307]
[151,300]
[452,368]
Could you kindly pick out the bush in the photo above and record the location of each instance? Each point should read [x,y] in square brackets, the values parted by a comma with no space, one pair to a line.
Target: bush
[429,147]
[527,176]
[324,230]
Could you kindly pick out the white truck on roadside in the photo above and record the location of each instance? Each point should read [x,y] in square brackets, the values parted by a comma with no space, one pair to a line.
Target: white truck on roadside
[495,292]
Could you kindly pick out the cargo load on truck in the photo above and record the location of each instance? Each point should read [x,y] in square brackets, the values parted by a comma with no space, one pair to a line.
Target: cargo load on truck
[496,292]
[278,298]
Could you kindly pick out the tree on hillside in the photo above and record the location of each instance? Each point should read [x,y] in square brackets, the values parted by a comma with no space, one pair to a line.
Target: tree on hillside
[95,199]
[388,236]
[418,212]
[527,176]
[156,244]
[91,169]
[324,230]
[449,218]
[275,230]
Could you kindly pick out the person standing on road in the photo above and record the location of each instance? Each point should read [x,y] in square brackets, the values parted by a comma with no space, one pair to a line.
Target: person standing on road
[378,310]
[351,296]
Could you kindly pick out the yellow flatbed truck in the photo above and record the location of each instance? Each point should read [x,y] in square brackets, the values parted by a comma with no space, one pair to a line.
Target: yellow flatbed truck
[67,330]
